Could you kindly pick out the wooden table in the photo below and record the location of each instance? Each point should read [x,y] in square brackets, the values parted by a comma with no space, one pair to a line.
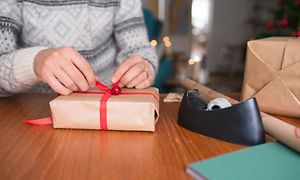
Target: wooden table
[41,152]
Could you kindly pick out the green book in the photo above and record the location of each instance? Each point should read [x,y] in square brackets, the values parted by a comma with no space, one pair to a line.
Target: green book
[273,161]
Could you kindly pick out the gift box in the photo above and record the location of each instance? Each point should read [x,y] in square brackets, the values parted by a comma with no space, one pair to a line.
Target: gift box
[272,75]
[131,110]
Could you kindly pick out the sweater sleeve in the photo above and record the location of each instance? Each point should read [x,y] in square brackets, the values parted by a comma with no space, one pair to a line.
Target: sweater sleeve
[131,34]
[16,71]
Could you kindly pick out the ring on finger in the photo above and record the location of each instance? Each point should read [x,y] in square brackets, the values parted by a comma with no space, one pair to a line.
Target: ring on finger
[147,76]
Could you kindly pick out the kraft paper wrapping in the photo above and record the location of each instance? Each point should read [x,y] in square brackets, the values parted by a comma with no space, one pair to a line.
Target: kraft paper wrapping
[138,112]
[272,75]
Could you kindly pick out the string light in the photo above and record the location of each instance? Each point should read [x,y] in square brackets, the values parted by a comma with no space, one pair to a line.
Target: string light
[166,39]
[168,44]
[191,61]
[197,59]
[153,43]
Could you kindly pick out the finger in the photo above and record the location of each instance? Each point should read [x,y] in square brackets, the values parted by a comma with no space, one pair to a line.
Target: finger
[145,84]
[132,73]
[150,71]
[149,81]
[139,79]
[81,63]
[75,75]
[65,79]
[123,68]
[57,86]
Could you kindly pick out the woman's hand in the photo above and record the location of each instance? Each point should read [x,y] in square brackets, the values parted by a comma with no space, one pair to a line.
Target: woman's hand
[64,70]
[134,72]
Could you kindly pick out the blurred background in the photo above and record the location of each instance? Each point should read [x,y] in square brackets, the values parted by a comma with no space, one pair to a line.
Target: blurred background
[206,40]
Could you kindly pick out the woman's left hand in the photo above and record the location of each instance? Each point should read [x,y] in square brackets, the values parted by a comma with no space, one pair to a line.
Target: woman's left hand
[134,72]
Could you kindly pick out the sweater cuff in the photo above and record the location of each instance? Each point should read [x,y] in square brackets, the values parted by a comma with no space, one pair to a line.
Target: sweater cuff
[23,65]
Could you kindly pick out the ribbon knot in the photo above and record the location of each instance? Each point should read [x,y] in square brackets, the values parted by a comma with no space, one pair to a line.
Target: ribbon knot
[116,90]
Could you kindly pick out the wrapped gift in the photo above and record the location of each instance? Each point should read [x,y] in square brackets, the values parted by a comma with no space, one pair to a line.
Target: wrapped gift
[130,110]
[272,75]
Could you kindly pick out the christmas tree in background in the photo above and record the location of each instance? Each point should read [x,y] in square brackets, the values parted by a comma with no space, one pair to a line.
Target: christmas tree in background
[285,22]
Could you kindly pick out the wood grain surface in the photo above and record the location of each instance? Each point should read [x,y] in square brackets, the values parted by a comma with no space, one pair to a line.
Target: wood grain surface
[41,152]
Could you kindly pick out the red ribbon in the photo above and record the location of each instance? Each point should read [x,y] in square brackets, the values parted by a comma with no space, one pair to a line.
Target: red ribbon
[107,92]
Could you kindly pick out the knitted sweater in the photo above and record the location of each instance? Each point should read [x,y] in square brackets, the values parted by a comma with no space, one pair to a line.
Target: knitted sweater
[105,32]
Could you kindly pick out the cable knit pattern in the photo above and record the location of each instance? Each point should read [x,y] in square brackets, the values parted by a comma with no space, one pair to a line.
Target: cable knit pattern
[105,32]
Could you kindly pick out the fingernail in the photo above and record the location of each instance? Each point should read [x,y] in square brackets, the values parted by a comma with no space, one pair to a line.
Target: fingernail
[113,79]
[85,88]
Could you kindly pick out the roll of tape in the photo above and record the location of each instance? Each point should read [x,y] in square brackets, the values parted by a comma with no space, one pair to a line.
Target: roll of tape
[218,103]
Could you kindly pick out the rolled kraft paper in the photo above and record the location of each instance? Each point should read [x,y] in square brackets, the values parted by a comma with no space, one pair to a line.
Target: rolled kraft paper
[284,132]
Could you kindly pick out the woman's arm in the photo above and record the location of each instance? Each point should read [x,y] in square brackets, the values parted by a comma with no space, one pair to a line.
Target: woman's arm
[137,58]
[63,69]
[16,71]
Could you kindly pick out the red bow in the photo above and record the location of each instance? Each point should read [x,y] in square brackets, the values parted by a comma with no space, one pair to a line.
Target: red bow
[114,90]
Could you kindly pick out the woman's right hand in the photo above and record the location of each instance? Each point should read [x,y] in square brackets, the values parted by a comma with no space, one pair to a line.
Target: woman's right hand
[64,70]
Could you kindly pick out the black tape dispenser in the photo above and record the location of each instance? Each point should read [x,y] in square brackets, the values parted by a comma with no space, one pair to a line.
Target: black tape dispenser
[240,123]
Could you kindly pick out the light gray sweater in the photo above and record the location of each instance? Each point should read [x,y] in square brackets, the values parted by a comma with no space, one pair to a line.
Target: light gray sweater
[105,32]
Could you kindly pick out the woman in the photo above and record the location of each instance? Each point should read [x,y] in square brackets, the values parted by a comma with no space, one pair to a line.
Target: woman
[66,45]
